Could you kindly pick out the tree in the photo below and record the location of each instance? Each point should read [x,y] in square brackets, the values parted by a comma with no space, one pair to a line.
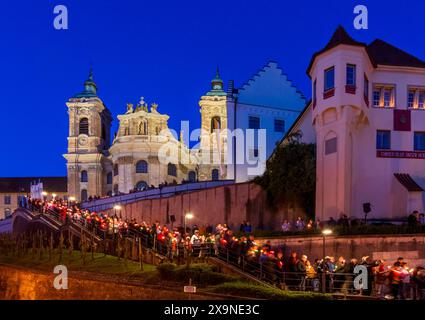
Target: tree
[290,176]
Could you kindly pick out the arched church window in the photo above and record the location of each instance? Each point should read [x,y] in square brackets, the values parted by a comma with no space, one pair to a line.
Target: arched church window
[84,195]
[215,123]
[109,178]
[115,169]
[84,126]
[141,185]
[172,170]
[192,176]
[142,166]
[214,175]
[84,176]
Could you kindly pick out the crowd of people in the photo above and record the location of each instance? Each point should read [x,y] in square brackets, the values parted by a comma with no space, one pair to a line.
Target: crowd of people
[296,272]
[300,224]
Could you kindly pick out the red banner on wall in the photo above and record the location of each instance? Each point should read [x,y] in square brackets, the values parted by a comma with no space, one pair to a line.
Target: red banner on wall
[401,120]
[400,154]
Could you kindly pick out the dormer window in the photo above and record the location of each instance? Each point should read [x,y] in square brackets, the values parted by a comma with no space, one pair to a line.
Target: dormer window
[416,98]
[384,96]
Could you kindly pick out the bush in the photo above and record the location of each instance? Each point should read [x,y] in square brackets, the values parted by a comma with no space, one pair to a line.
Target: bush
[258,291]
[200,274]
[166,270]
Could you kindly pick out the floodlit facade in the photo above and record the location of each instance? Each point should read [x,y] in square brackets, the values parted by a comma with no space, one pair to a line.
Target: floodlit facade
[368,116]
[268,101]
[144,152]
[135,160]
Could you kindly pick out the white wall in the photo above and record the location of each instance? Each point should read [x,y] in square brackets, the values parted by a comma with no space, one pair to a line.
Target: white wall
[354,174]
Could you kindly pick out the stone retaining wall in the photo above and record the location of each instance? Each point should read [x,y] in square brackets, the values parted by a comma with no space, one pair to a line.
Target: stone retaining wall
[23,284]
[388,247]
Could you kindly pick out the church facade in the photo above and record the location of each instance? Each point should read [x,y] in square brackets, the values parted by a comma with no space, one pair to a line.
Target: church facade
[144,152]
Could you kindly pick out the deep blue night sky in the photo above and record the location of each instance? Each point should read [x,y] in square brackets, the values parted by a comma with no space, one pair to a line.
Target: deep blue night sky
[166,51]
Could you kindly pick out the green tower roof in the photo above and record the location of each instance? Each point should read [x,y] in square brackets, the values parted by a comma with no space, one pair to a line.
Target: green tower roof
[90,88]
[217,86]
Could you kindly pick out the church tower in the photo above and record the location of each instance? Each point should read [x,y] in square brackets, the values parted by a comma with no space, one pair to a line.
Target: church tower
[213,146]
[89,170]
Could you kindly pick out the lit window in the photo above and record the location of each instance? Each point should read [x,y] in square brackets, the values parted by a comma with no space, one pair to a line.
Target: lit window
[419,141]
[383,139]
[387,97]
[411,99]
[376,97]
[383,96]
[351,75]
[421,99]
[254,122]
[279,125]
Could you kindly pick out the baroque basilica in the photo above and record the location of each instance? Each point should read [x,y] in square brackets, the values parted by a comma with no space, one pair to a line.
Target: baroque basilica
[144,152]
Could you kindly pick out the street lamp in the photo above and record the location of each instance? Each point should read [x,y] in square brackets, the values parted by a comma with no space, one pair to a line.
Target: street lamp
[44,193]
[325,232]
[117,208]
[53,196]
[189,216]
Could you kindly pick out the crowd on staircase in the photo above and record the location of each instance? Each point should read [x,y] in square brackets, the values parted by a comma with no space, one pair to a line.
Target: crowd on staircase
[296,272]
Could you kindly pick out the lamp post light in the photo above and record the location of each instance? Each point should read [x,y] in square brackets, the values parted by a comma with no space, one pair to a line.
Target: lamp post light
[325,232]
[189,216]
[53,196]
[71,200]
[117,208]
[44,193]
